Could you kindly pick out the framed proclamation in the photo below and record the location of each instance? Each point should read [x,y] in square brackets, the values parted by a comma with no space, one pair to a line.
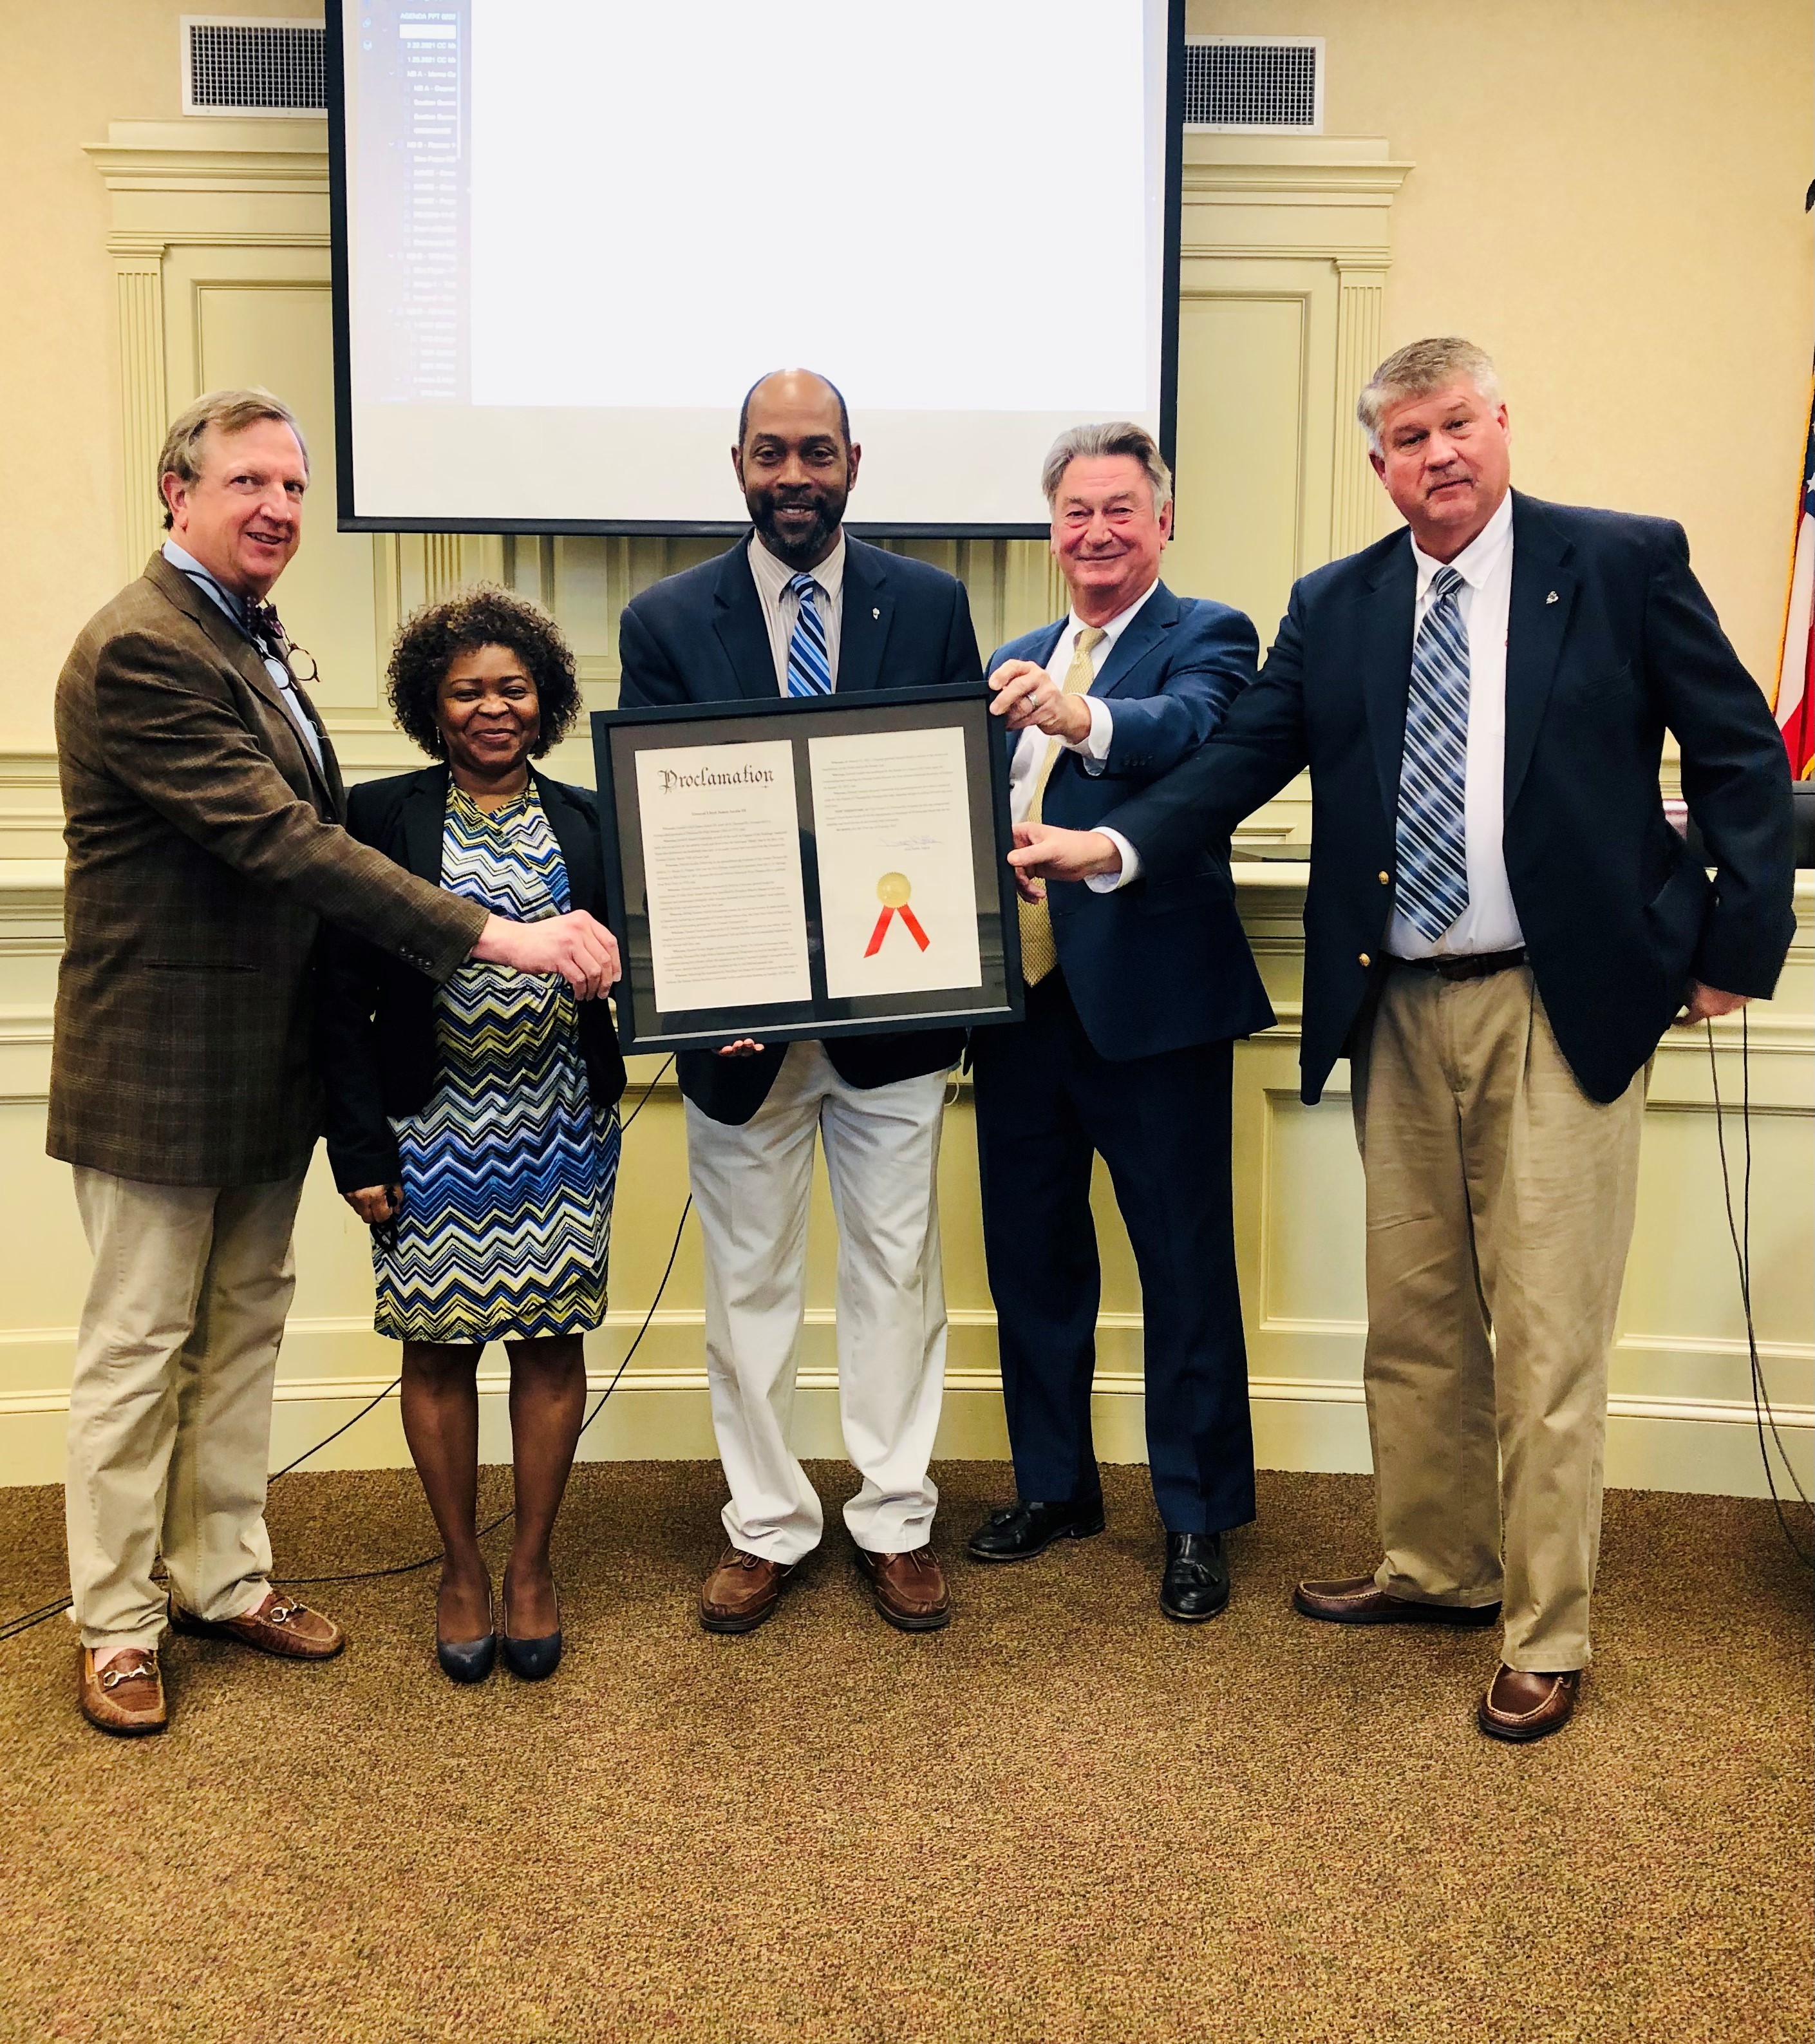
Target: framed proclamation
[832,866]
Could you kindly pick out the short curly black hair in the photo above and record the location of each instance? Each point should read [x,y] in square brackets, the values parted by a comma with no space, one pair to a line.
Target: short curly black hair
[427,646]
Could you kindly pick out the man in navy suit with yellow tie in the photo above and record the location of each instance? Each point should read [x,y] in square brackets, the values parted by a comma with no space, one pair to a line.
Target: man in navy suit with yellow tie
[1133,1000]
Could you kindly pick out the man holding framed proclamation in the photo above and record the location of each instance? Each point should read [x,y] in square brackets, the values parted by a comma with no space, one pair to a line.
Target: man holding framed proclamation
[739,820]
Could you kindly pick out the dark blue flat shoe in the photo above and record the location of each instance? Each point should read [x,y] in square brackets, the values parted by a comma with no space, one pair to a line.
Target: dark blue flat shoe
[532,1660]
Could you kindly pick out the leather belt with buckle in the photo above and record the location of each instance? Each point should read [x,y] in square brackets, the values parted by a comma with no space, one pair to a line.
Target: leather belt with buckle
[1467,964]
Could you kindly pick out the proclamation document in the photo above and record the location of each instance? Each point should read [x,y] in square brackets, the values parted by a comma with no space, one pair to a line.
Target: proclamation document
[721,856]
[897,886]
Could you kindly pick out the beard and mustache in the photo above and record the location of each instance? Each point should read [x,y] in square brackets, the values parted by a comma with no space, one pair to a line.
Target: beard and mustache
[800,545]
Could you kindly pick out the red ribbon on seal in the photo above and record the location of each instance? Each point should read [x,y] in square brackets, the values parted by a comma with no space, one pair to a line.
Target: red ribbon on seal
[892,891]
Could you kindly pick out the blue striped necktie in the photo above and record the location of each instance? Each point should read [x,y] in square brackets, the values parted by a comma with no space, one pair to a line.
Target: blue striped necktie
[809,665]
[1433,888]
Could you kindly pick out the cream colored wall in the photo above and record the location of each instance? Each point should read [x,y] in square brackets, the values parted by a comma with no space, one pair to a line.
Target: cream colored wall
[1607,195]
[66,71]
[182,253]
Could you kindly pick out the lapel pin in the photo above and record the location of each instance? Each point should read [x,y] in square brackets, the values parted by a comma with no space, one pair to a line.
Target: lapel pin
[875,613]
[1551,597]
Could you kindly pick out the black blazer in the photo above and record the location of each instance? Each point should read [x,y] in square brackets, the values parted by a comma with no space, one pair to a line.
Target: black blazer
[1160,964]
[700,637]
[375,1029]
[1610,641]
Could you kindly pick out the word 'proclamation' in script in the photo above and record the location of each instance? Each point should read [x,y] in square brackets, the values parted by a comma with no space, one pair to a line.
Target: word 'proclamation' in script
[897,887]
[721,860]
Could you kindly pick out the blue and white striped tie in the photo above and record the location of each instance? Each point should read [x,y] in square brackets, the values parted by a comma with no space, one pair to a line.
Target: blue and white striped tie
[809,665]
[1433,888]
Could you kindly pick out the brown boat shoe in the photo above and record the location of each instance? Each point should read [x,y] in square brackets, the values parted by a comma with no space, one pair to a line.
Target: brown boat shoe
[1520,1706]
[127,1697]
[284,1626]
[909,1589]
[741,1591]
[1360,1600]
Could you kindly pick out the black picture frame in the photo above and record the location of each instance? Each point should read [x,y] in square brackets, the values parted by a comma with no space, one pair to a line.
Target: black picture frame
[348,520]
[620,735]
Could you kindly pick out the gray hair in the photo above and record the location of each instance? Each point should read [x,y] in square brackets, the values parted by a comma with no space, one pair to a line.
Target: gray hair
[1094,444]
[1420,369]
[223,411]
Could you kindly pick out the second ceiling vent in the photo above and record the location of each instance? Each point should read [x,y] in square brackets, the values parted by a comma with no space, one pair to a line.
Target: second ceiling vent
[1261,84]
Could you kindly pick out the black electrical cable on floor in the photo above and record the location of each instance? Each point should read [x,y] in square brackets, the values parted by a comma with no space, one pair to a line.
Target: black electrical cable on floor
[1739,1233]
[27,1619]
[424,1560]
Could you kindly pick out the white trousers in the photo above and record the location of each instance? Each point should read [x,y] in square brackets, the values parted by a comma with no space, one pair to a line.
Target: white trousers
[169,1413]
[751,1187]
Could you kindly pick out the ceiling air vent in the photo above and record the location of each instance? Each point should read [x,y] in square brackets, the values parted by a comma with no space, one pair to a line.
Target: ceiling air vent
[239,64]
[1267,84]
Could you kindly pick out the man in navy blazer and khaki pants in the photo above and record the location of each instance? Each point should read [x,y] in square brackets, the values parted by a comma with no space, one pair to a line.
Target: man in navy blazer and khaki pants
[1133,997]
[800,609]
[1500,925]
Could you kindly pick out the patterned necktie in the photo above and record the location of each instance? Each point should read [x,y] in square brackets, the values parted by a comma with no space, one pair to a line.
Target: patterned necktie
[265,628]
[263,625]
[1039,952]
[1433,857]
[260,621]
[809,665]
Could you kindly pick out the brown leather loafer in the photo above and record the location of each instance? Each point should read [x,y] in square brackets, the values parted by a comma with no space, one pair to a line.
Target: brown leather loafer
[741,1591]
[1520,1707]
[1360,1600]
[127,1697]
[283,1626]
[909,1589]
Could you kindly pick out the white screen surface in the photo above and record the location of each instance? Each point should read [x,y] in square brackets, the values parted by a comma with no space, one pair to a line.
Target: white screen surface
[577,230]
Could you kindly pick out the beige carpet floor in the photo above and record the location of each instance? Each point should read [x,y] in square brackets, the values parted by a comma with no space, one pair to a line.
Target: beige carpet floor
[1064,1819]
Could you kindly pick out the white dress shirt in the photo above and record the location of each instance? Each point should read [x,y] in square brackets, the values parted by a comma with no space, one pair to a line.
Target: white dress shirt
[1489,923]
[1092,749]
[186,563]
[781,607]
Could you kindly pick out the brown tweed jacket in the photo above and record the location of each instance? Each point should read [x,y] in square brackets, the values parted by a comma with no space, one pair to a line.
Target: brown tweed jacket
[204,851]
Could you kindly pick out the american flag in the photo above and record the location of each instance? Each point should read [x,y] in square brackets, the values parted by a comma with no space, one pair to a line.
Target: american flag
[1794,699]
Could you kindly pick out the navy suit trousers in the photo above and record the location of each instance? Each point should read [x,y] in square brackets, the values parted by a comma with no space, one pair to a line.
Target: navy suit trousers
[1046,1102]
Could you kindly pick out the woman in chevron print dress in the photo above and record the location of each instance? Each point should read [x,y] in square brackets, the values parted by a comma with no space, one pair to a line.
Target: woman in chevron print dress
[474,1125]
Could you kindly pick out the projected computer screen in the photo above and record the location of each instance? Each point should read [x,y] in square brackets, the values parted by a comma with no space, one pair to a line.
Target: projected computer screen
[570,234]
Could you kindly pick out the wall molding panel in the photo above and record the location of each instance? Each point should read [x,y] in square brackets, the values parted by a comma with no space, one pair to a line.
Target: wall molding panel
[1357,513]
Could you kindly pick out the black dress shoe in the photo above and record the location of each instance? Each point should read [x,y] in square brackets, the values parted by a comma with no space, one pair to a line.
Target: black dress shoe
[1021,1530]
[1196,1585]
[530,1659]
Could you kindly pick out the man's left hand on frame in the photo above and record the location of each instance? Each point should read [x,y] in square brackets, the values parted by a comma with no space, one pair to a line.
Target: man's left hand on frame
[1704,1003]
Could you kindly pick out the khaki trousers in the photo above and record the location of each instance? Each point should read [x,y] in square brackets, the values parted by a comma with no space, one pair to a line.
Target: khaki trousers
[170,1414]
[1500,1202]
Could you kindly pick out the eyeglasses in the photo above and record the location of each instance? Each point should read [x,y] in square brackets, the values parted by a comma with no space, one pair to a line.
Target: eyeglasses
[301,663]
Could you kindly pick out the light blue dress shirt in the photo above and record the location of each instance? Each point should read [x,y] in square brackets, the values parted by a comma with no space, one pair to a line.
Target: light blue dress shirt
[186,564]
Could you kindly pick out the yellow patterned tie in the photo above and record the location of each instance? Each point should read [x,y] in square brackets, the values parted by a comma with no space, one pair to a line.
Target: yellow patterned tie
[1038,953]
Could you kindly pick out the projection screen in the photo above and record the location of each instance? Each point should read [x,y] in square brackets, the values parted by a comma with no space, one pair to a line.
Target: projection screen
[570,234]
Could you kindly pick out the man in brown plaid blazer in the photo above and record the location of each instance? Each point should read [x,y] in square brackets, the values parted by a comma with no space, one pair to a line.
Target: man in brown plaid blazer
[203,806]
